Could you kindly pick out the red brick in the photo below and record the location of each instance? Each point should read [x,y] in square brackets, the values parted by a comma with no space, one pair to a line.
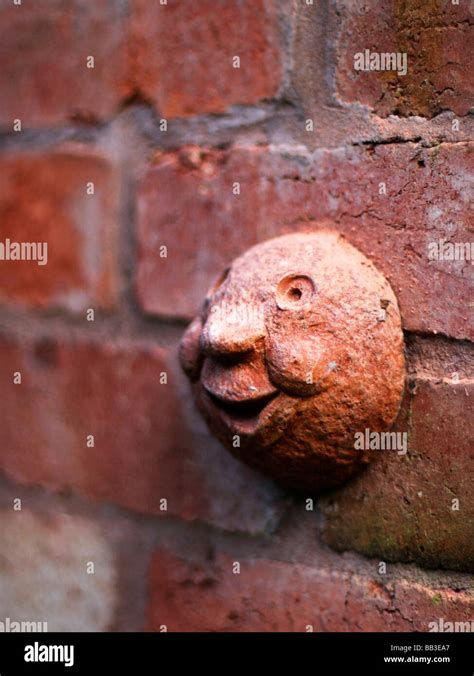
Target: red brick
[181,54]
[143,449]
[43,198]
[400,509]
[274,596]
[436,36]
[43,50]
[186,203]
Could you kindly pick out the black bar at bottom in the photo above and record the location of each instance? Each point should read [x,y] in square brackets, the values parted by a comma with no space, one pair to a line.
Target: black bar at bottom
[315,653]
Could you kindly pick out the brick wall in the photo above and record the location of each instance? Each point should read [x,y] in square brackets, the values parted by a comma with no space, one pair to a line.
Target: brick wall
[124,127]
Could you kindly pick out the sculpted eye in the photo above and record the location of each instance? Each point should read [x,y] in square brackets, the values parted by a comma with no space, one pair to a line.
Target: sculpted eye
[294,291]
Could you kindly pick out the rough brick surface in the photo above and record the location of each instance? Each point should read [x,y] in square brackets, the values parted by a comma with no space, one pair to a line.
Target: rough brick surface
[44,47]
[181,54]
[43,198]
[436,37]
[187,203]
[44,572]
[402,508]
[142,452]
[270,595]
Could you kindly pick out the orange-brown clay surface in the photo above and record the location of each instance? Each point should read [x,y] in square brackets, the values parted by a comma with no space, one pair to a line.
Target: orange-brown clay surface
[298,347]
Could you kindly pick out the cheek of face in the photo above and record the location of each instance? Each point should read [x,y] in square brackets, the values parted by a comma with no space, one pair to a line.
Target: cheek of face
[298,359]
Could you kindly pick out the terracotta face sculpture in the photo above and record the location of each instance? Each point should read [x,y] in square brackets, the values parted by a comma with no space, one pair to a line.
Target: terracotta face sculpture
[298,347]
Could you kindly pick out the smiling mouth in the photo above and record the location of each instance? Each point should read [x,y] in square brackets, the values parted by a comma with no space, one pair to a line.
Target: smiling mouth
[245,409]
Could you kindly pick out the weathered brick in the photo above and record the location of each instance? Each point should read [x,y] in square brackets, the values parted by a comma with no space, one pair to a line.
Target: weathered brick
[403,507]
[43,198]
[334,103]
[187,204]
[270,595]
[44,46]
[45,578]
[181,54]
[436,37]
[143,448]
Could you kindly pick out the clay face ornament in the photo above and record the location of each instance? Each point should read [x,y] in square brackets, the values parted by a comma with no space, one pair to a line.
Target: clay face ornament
[298,346]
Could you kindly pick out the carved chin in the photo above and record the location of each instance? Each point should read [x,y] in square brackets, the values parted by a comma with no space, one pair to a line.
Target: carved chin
[261,420]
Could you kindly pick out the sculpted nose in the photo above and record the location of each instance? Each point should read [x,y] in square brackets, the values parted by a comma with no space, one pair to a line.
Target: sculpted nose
[232,332]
